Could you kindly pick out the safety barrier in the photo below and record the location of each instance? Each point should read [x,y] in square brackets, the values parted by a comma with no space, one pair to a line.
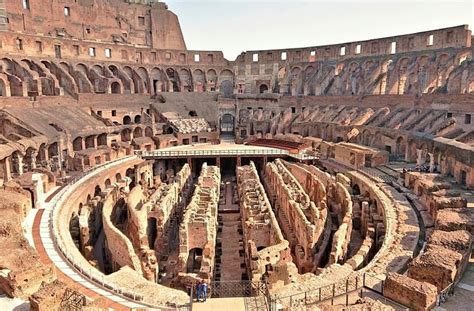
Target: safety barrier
[168,154]
[89,272]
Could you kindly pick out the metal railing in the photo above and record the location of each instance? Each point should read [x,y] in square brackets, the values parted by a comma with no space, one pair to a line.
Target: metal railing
[89,272]
[223,152]
[444,295]
[329,292]
[224,289]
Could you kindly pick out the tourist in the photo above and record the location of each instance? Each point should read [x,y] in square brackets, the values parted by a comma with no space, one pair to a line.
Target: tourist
[199,291]
[204,290]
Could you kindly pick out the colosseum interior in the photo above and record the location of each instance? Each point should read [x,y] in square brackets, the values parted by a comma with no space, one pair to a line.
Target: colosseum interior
[337,177]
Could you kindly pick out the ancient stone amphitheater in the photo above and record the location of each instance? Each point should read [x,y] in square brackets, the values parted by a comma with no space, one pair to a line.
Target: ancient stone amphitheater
[334,177]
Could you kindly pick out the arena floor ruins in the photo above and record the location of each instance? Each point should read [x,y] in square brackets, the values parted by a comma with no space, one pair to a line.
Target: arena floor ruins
[337,177]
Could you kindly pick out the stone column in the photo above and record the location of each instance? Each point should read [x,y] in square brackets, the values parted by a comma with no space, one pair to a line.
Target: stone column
[218,162]
[32,163]
[419,155]
[365,217]
[7,169]
[128,181]
[432,162]
[19,164]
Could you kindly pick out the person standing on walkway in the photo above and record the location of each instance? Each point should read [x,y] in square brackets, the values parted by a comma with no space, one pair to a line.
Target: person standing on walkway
[204,290]
[198,291]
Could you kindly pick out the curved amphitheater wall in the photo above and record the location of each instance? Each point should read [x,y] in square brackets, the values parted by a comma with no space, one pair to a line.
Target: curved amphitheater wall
[119,246]
[81,190]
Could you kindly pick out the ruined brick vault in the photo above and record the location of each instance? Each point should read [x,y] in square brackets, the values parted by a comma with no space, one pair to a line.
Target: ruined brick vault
[132,168]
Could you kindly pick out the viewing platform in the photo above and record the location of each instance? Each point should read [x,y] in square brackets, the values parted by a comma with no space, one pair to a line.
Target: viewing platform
[223,150]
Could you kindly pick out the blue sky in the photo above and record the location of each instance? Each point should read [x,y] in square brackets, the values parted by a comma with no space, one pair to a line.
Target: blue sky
[234,26]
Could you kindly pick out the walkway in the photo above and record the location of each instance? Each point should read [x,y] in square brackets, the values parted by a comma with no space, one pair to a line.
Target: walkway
[463,298]
[225,149]
[49,254]
[227,304]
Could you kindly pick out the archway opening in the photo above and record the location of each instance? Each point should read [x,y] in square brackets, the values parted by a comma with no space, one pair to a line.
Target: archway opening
[115,88]
[227,124]
[127,120]
[194,262]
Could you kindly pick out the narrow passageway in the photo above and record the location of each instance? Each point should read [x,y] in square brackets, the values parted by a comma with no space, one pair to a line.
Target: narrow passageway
[230,263]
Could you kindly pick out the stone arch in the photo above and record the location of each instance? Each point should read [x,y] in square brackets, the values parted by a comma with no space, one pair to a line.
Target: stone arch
[402,75]
[158,80]
[137,119]
[134,78]
[211,79]
[65,66]
[90,142]
[53,150]
[148,132]
[77,144]
[3,88]
[174,79]
[137,132]
[98,69]
[82,68]
[186,80]
[400,146]
[294,85]
[226,74]
[143,74]
[114,70]
[127,120]
[125,135]
[102,139]
[42,154]
[199,80]
[118,177]
[30,158]
[107,183]
[115,88]
[194,261]
[263,88]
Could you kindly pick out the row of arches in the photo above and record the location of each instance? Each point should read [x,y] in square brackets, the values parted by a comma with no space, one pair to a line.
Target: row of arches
[426,73]
[28,77]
